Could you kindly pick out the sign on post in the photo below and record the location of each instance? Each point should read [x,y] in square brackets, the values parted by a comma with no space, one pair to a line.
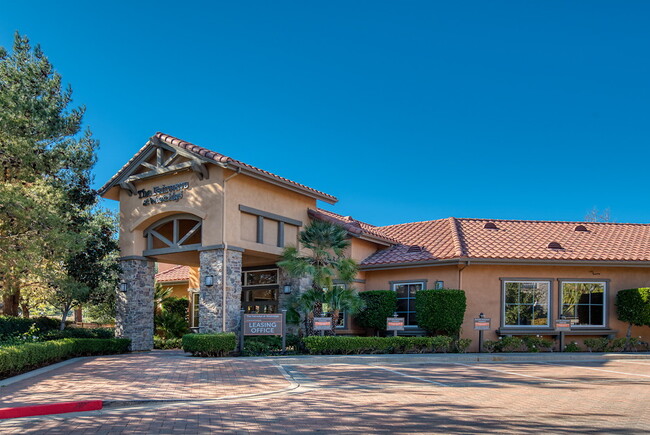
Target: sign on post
[562,324]
[394,323]
[482,323]
[322,323]
[263,324]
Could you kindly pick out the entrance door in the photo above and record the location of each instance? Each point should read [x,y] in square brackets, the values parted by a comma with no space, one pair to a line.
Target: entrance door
[260,290]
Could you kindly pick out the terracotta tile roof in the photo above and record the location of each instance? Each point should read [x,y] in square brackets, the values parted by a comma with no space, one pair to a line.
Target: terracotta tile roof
[176,273]
[514,239]
[352,225]
[219,158]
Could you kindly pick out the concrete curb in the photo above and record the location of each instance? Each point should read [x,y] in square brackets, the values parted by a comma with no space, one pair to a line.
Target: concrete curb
[450,358]
[50,408]
[18,378]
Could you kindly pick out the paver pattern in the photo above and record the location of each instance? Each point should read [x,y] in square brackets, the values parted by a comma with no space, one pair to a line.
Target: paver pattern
[559,397]
[145,376]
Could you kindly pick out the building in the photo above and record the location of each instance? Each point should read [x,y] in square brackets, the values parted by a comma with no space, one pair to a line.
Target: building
[222,225]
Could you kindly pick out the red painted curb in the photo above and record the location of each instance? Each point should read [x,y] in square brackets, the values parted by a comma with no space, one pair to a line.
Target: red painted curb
[50,408]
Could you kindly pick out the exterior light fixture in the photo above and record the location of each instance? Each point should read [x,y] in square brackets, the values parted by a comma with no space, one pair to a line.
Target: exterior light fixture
[209,280]
[124,287]
[440,285]
[287,289]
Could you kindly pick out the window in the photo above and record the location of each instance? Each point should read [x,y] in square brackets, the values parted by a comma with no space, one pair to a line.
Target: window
[526,303]
[260,277]
[195,310]
[583,302]
[406,300]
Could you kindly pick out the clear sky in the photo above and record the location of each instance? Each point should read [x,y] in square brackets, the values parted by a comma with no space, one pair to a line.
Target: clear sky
[404,110]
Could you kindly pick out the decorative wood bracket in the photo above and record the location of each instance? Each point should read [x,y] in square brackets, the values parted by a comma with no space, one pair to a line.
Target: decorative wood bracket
[129,187]
[201,170]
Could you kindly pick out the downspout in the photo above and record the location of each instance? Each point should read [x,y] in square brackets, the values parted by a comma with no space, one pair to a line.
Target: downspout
[224,269]
[460,274]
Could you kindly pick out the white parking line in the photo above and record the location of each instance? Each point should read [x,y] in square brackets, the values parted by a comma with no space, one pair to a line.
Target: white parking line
[598,370]
[631,362]
[512,373]
[409,376]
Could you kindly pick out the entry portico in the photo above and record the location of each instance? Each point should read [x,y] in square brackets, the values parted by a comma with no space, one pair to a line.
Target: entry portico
[183,204]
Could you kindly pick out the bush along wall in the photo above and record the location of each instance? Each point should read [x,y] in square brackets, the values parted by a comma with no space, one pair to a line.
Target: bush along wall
[221,344]
[14,326]
[379,305]
[341,345]
[19,359]
[440,310]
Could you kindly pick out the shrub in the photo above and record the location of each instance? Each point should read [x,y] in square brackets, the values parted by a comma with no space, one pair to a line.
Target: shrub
[12,326]
[537,344]
[167,343]
[511,344]
[19,359]
[179,306]
[440,310]
[461,345]
[491,346]
[269,345]
[210,344]
[633,307]
[341,345]
[572,347]
[172,325]
[79,333]
[596,344]
[380,304]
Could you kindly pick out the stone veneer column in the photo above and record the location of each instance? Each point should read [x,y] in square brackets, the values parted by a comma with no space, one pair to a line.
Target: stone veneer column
[134,308]
[211,298]
[298,287]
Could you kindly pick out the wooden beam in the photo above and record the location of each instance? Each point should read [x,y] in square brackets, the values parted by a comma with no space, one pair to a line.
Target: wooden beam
[129,187]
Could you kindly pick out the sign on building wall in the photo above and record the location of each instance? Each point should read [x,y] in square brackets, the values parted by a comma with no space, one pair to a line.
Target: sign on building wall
[263,324]
[163,193]
[562,324]
[394,323]
[482,323]
[322,323]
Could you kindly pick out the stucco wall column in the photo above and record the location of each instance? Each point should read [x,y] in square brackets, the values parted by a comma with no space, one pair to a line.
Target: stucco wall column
[134,308]
[211,299]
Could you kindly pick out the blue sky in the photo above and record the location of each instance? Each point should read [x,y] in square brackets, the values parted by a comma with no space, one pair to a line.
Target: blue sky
[405,111]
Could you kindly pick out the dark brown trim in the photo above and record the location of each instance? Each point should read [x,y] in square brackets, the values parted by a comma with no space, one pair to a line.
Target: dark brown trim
[260,229]
[272,216]
[280,234]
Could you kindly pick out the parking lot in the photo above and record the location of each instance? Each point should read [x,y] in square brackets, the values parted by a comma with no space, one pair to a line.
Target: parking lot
[352,395]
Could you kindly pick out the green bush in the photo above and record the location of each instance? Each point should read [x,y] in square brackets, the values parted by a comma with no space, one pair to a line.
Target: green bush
[12,326]
[170,324]
[440,310]
[79,333]
[633,307]
[210,344]
[538,344]
[461,345]
[28,356]
[572,347]
[176,305]
[270,345]
[342,345]
[167,343]
[596,344]
[380,304]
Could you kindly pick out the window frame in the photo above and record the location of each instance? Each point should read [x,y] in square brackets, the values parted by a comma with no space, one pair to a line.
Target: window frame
[605,282]
[422,282]
[549,308]
[246,272]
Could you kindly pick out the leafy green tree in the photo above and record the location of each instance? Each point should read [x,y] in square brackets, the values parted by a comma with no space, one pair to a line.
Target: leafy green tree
[339,299]
[633,307]
[379,304]
[323,259]
[441,310]
[50,226]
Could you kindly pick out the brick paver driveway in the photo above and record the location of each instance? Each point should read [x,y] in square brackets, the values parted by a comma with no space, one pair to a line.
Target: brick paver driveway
[553,397]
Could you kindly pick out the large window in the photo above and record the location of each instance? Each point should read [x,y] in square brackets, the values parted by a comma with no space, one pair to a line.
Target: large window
[406,300]
[260,290]
[342,321]
[583,302]
[195,310]
[526,303]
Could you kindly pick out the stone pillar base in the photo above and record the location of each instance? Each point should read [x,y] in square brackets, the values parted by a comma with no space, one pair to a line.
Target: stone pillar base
[134,308]
[211,311]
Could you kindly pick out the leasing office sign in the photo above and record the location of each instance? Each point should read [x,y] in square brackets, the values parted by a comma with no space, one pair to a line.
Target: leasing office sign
[263,324]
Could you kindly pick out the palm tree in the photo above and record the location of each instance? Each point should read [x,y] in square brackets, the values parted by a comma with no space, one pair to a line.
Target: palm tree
[340,298]
[327,244]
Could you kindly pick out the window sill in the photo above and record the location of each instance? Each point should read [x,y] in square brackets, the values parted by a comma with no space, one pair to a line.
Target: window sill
[551,331]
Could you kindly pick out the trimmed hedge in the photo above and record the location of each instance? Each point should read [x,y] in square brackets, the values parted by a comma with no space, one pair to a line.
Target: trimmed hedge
[440,310]
[633,307]
[28,356]
[12,326]
[379,305]
[79,333]
[341,345]
[210,344]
